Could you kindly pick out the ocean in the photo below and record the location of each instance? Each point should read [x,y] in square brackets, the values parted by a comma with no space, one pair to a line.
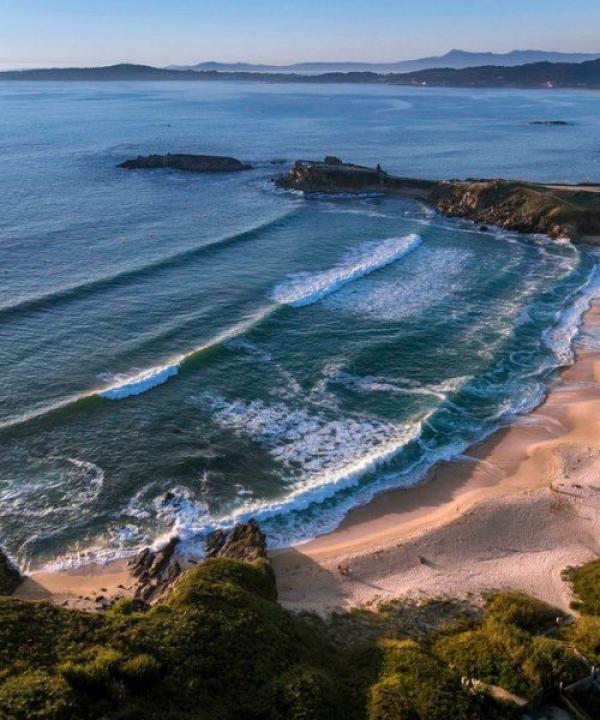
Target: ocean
[179,352]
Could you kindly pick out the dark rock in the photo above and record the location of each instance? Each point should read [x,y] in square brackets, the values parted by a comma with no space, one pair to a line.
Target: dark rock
[483,228]
[245,541]
[10,575]
[549,122]
[186,162]
[142,562]
[163,557]
[156,571]
[214,542]
[99,599]
[167,497]
[335,176]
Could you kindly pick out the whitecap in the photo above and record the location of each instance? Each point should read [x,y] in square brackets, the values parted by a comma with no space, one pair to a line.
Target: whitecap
[306,288]
[126,386]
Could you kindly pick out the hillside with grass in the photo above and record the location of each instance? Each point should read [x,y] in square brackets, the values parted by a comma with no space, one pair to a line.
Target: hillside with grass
[221,646]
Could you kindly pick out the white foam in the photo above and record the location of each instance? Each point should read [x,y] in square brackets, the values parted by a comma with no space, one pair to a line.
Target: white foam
[440,273]
[127,386]
[319,455]
[60,488]
[560,337]
[307,288]
[341,209]
[371,383]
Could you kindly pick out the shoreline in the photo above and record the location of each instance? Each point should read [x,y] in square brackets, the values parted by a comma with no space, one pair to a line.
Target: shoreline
[404,541]
[512,512]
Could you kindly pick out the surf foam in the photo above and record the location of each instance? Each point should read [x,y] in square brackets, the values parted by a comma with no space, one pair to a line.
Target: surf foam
[137,384]
[306,288]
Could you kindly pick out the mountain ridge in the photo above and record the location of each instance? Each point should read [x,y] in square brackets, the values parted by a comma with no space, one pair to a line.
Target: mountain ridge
[584,75]
[454,58]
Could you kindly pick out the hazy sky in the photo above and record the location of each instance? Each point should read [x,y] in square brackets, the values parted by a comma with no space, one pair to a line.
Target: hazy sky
[160,32]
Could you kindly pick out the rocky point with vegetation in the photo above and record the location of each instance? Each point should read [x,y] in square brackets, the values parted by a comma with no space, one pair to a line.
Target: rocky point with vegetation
[560,211]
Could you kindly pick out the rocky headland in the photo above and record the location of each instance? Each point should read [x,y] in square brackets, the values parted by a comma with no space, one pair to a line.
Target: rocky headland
[186,162]
[569,211]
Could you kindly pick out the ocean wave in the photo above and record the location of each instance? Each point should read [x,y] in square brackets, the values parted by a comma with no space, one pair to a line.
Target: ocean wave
[61,489]
[127,386]
[307,288]
[139,382]
[134,383]
[363,210]
[73,292]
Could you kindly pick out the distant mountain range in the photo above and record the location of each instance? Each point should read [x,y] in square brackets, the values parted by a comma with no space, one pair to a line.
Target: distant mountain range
[532,75]
[456,59]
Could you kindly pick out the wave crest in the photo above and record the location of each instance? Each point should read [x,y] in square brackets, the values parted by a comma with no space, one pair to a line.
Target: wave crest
[307,288]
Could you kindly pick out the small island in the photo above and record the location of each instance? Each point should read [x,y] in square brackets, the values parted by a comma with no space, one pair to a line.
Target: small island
[560,123]
[186,162]
[559,211]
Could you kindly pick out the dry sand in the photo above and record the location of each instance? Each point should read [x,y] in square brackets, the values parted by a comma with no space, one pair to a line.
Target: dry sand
[512,513]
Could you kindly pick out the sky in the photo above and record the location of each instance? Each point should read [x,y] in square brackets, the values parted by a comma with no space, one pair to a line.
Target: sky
[42,33]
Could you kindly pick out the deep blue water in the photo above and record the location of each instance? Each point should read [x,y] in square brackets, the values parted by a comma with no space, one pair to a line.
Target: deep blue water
[178,351]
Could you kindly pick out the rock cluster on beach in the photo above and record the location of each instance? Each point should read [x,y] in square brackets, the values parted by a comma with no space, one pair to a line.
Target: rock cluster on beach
[245,541]
[186,162]
[156,571]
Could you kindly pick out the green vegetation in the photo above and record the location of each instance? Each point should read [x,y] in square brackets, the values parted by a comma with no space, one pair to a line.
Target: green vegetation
[508,649]
[222,647]
[586,586]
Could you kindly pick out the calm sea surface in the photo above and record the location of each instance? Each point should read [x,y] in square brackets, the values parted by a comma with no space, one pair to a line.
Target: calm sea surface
[180,351]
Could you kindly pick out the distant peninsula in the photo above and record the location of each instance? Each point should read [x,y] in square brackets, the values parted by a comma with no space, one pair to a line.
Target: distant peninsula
[584,75]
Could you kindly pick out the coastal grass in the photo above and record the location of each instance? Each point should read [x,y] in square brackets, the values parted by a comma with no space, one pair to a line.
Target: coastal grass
[222,647]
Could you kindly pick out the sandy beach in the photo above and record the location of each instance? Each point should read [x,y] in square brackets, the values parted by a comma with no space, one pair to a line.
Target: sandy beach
[512,512]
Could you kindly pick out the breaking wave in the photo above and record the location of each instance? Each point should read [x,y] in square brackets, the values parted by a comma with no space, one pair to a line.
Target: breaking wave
[135,385]
[306,288]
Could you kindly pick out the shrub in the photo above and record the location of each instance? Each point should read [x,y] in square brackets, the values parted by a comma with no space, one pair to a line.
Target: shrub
[303,693]
[139,670]
[522,611]
[586,586]
[35,696]
[94,676]
[387,700]
[586,636]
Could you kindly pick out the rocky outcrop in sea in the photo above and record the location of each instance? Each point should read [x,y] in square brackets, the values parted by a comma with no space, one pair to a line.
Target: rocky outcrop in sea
[186,162]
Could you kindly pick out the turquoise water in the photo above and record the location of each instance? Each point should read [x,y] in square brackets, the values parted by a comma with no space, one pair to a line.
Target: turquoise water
[180,351]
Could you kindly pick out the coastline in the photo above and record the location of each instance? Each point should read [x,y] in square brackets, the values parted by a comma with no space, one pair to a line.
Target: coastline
[513,511]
